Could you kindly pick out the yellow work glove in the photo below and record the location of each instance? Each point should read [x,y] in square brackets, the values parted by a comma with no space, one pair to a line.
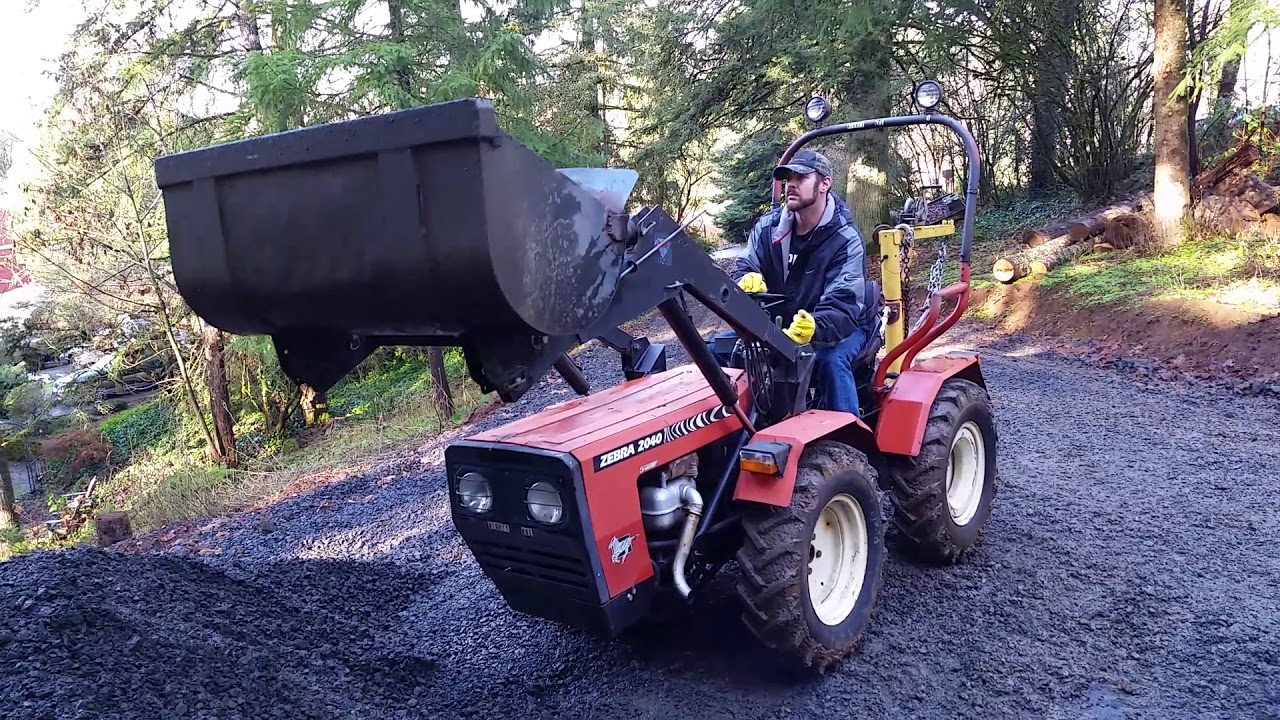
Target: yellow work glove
[752,283]
[802,327]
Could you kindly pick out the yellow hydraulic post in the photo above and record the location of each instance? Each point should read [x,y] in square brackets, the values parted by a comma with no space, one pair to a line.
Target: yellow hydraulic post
[890,240]
[891,285]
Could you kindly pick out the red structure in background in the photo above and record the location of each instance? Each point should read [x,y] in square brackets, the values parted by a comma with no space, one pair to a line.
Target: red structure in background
[12,273]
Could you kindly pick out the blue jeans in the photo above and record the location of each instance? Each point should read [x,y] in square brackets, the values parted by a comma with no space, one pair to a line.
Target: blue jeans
[832,370]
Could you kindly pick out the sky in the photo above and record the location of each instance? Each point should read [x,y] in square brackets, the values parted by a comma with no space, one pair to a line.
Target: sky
[30,39]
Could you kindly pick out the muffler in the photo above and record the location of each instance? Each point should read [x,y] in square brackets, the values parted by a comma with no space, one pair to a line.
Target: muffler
[691,499]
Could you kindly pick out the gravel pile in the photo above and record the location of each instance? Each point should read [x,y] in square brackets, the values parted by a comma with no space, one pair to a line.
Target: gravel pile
[1129,570]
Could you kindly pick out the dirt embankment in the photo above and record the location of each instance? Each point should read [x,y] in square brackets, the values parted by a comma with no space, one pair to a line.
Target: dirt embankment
[1221,342]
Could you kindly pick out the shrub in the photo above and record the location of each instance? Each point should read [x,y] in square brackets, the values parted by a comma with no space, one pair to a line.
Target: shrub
[24,403]
[149,426]
[74,455]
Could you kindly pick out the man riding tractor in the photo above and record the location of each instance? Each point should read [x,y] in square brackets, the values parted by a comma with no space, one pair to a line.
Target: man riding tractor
[810,251]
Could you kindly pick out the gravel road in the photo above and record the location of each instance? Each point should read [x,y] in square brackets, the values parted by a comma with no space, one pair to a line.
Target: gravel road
[1130,570]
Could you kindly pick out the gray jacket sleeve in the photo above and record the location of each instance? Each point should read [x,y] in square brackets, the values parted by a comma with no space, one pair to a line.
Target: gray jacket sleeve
[753,259]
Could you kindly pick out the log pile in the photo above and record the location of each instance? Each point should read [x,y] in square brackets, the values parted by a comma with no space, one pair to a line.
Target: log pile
[1095,223]
[1229,198]
[1117,225]
[1233,200]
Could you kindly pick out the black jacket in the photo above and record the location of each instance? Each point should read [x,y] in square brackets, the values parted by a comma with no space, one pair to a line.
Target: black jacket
[825,268]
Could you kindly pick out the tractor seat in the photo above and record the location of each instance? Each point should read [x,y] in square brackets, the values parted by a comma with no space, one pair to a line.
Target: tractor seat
[870,320]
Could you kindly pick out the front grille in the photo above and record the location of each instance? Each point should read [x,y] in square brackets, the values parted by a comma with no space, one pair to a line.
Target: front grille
[534,563]
[527,559]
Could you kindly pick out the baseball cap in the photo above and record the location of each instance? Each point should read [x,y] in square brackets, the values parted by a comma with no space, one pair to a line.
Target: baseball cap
[804,162]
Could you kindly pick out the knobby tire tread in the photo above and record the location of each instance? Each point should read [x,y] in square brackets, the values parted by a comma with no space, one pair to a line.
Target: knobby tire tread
[773,559]
[918,484]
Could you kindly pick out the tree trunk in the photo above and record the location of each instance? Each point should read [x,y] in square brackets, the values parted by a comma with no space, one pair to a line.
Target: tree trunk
[1194,37]
[1193,148]
[1043,147]
[1172,190]
[1227,82]
[111,528]
[588,38]
[249,31]
[8,518]
[872,166]
[215,368]
[314,405]
[442,396]
[395,24]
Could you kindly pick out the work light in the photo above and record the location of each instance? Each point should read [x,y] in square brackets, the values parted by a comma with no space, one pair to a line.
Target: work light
[928,94]
[817,109]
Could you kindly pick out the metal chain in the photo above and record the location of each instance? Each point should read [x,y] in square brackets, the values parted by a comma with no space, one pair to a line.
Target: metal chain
[934,285]
[935,272]
[906,255]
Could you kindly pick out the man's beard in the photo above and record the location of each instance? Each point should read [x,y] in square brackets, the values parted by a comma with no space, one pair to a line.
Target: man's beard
[800,202]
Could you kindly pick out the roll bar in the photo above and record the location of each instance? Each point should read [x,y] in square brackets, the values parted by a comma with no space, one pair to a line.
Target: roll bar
[927,332]
[970,151]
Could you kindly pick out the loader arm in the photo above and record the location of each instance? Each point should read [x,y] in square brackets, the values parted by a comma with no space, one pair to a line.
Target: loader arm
[663,261]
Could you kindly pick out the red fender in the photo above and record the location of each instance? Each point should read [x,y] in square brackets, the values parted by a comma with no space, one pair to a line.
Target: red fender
[797,432]
[905,410]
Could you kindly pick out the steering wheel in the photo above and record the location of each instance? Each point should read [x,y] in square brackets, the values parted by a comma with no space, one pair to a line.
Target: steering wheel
[768,300]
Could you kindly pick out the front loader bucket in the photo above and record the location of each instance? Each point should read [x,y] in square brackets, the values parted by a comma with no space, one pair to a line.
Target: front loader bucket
[429,225]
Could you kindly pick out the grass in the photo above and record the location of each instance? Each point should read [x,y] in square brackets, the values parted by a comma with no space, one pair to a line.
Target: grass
[1197,269]
[161,478]
[383,411]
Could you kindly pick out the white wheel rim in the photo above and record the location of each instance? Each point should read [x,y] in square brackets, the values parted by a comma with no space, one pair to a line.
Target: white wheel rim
[837,559]
[966,472]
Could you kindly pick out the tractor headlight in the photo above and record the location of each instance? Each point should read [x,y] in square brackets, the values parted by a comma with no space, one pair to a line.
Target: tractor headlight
[928,94]
[544,503]
[475,493]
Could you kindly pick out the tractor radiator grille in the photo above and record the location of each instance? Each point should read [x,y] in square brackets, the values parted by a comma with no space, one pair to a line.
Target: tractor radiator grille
[534,563]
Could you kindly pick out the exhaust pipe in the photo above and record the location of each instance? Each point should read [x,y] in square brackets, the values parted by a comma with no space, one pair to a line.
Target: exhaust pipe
[692,501]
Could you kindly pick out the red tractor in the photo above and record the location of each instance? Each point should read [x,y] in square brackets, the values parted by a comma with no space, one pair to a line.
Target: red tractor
[432,226]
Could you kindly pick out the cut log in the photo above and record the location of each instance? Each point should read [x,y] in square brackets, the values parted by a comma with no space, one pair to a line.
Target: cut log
[1042,265]
[1091,225]
[1019,265]
[1036,238]
[1248,187]
[1126,231]
[112,527]
[1241,158]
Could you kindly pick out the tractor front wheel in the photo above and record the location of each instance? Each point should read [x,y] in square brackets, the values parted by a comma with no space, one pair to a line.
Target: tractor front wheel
[943,495]
[811,571]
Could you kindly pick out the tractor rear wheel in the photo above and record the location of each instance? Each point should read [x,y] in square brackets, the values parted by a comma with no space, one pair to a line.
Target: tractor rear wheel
[810,572]
[942,496]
